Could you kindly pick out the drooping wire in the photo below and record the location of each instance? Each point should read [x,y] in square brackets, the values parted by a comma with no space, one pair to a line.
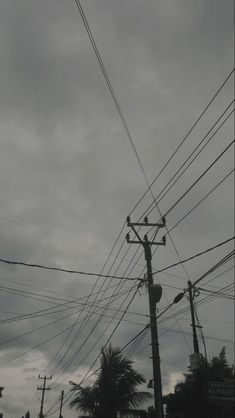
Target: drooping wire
[40,266]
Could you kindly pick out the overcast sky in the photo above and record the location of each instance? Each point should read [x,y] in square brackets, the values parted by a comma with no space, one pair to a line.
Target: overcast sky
[69,177]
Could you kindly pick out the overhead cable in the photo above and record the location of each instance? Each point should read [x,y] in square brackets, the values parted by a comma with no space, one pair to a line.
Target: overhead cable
[40,266]
[185,137]
[200,177]
[174,179]
[196,255]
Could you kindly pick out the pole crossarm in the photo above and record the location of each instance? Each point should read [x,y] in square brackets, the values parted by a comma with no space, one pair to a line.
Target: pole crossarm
[129,241]
[42,388]
[160,224]
[145,241]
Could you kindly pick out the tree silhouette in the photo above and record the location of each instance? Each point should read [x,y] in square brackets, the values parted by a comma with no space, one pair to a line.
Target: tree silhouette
[190,399]
[114,394]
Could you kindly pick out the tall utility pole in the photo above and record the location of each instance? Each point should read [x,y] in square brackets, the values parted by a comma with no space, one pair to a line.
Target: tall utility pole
[152,304]
[61,403]
[43,388]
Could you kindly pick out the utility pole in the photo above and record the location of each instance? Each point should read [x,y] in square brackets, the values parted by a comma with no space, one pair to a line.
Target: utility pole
[195,340]
[43,388]
[195,359]
[61,403]
[153,299]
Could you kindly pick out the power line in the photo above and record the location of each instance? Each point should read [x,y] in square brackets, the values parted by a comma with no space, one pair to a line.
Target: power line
[37,346]
[73,357]
[107,306]
[176,176]
[214,188]
[177,323]
[223,260]
[200,302]
[170,329]
[186,192]
[55,321]
[196,255]
[50,234]
[204,198]
[35,329]
[200,177]
[20,282]
[111,90]
[40,266]
[44,312]
[177,223]
[112,333]
[203,300]
[213,268]
[92,39]
[119,110]
[186,310]
[217,293]
[58,334]
[137,342]
[225,81]
[93,328]
[82,327]
[185,138]
[190,211]
[50,412]
[219,275]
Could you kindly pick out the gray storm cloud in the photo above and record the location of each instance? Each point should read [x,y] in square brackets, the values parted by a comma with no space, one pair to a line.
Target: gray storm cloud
[69,178]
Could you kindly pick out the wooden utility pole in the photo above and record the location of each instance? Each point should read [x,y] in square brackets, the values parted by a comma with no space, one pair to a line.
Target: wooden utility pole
[43,388]
[157,382]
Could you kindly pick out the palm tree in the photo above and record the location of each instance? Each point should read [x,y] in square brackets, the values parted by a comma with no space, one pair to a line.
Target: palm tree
[114,394]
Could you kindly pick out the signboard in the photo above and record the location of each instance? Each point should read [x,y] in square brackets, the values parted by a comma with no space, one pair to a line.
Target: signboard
[195,361]
[220,393]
